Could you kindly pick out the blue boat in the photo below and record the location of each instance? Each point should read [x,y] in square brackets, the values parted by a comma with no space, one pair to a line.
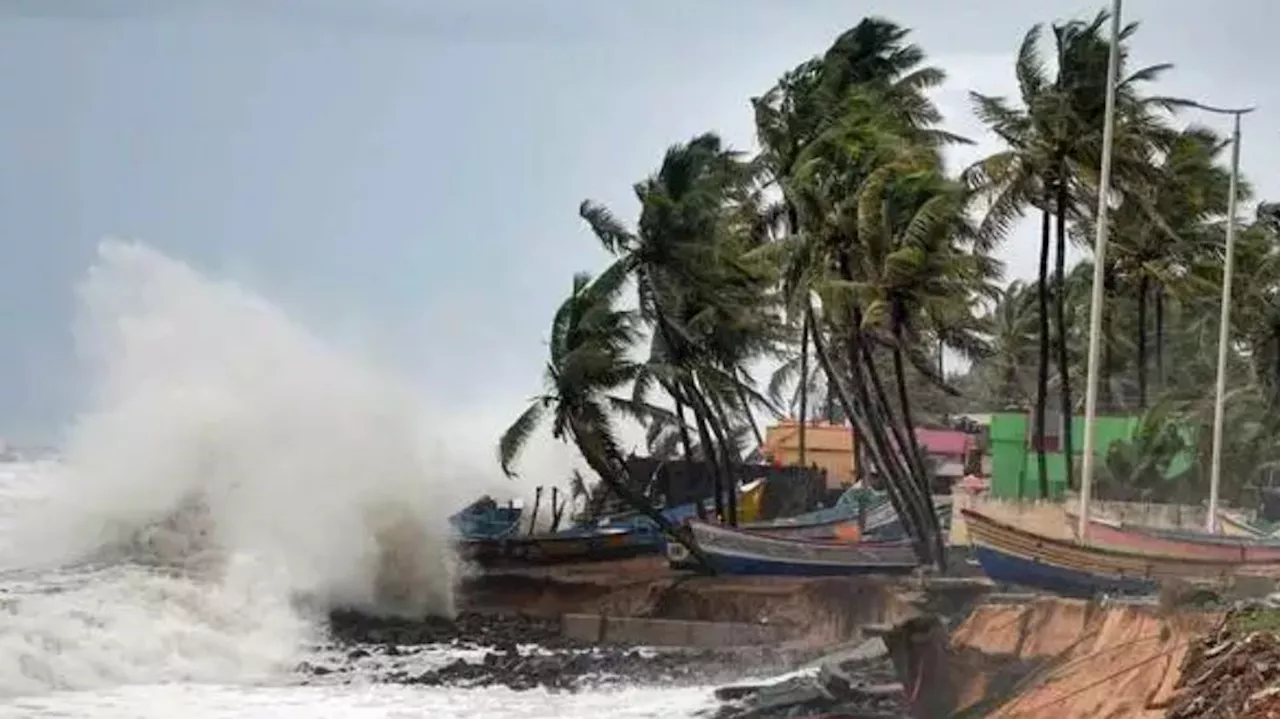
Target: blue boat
[486,519]
[1014,555]
[881,520]
[738,552]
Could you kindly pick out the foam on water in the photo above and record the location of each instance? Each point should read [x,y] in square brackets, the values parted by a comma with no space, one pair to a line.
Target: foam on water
[313,476]
[209,702]
[226,465]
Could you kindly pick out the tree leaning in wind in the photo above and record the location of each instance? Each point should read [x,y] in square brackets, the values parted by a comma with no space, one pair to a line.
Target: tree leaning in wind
[1053,151]
[589,345]
[705,300]
[828,128]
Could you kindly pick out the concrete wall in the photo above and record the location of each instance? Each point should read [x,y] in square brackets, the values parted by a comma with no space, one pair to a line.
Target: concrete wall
[668,632]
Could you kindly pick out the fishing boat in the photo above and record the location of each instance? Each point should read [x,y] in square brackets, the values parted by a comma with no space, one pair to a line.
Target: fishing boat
[734,551]
[880,519]
[1234,526]
[569,546]
[1018,556]
[750,503]
[1179,543]
[883,522]
[840,530]
[486,519]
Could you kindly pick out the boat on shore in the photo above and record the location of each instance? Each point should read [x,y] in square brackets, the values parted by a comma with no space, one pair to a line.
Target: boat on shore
[1018,556]
[1234,526]
[739,552]
[486,519]
[1179,543]
[569,546]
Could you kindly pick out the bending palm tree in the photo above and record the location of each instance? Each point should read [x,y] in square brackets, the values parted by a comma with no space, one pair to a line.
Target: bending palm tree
[589,342]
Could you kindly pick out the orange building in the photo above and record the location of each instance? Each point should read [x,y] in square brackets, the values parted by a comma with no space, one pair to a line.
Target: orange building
[827,446]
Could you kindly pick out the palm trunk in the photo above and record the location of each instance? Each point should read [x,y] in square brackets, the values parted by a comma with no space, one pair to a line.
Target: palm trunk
[1143,292]
[894,463]
[708,453]
[557,509]
[687,388]
[860,425]
[743,400]
[686,442]
[872,429]
[804,388]
[1060,305]
[1159,337]
[533,516]
[728,453]
[878,414]
[607,462]
[707,448]
[1042,374]
[904,403]
[902,440]
[912,473]
[1144,289]
[717,444]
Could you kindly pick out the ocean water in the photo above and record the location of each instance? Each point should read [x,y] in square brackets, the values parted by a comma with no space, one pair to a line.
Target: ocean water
[229,476]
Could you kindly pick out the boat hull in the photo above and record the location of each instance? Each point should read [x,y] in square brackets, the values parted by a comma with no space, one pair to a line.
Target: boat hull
[1013,569]
[1015,555]
[737,552]
[587,547]
[1166,543]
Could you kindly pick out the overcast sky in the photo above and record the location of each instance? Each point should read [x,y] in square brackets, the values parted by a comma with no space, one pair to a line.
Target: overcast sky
[414,168]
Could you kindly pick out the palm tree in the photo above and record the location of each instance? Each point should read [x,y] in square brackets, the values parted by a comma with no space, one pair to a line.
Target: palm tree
[589,345]
[1010,324]
[707,300]
[826,127]
[1053,143]
[1162,224]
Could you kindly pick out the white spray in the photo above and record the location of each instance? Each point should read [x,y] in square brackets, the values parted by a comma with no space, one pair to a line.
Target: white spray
[217,419]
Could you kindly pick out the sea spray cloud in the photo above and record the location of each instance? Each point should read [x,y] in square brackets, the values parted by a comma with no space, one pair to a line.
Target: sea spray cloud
[305,457]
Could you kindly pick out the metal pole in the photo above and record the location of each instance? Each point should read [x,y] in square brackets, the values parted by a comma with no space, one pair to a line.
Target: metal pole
[1099,276]
[1224,329]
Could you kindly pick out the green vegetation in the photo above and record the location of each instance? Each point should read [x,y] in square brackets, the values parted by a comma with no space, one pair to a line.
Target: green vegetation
[846,254]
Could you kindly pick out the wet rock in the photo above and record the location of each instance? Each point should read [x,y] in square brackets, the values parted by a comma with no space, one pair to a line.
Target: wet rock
[521,652]
[568,671]
[467,629]
[858,681]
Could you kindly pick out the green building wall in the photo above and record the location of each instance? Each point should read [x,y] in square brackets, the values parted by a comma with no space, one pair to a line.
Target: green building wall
[1015,471]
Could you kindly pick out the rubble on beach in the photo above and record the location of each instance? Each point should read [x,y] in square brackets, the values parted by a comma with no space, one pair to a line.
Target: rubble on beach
[1233,671]
[857,681]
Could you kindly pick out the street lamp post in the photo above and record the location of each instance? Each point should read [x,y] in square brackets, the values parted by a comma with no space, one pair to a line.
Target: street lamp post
[1099,276]
[1224,322]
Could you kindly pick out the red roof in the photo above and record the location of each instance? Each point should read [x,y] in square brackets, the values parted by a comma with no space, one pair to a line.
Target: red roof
[944,441]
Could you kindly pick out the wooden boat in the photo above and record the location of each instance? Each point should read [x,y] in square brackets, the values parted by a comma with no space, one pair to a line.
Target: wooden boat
[844,530]
[1179,543]
[578,545]
[733,551]
[1018,556]
[881,520]
[1238,527]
